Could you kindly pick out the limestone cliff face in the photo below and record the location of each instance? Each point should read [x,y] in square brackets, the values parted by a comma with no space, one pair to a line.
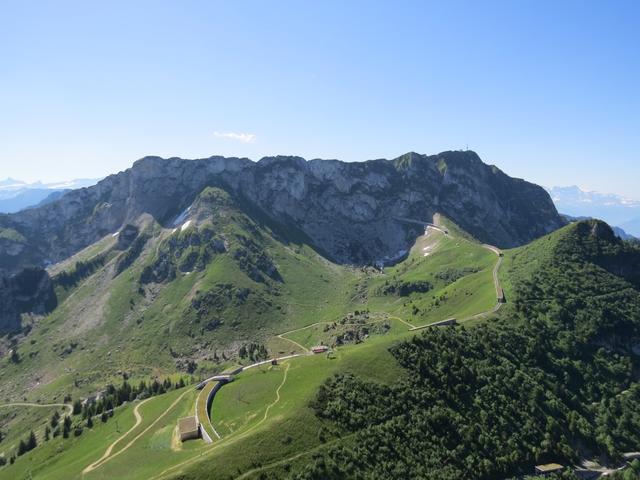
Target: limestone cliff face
[348,210]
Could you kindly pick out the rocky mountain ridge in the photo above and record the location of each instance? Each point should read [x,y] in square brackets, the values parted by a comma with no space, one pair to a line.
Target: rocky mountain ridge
[348,211]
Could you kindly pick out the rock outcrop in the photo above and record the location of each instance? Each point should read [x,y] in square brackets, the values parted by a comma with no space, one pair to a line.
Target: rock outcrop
[348,211]
[29,291]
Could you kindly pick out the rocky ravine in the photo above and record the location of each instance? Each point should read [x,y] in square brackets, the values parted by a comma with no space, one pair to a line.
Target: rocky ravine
[346,209]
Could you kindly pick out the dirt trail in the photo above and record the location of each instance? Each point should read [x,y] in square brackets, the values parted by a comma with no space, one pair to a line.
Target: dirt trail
[272,404]
[304,349]
[277,463]
[107,454]
[411,326]
[436,225]
[233,438]
[40,405]
[496,284]
[110,448]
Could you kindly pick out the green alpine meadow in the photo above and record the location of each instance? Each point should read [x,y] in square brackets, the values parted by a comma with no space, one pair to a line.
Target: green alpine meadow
[221,340]
[335,240]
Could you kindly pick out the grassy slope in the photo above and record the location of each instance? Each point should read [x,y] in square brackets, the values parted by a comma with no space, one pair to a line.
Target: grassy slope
[98,332]
[104,332]
[65,459]
[290,426]
[313,290]
[240,406]
[570,283]
[471,294]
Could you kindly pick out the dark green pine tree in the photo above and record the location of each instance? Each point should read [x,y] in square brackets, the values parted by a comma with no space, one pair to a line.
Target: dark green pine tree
[32,442]
[66,427]
[22,448]
[55,420]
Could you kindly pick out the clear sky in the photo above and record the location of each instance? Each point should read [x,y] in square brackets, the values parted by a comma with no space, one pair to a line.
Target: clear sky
[548,91]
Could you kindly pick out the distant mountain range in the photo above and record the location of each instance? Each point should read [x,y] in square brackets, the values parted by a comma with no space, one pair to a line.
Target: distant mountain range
[16,195]
[614,209]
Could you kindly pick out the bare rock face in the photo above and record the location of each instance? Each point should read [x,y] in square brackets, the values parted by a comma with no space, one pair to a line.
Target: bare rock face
[31,291]
[348,211]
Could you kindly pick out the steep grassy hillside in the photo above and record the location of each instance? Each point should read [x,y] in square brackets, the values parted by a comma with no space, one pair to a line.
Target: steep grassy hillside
[555,380]
[212,292]
[112,318]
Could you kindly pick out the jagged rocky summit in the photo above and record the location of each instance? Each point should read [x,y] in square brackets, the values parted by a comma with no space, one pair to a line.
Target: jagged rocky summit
[348,211]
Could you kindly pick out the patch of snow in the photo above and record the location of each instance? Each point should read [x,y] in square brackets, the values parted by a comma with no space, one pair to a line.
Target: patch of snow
[181,218]
[185,225]
[426,251]
[115,234]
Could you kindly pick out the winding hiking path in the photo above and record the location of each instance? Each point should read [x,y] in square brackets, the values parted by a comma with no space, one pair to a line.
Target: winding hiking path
[204,401]
[411,326]
[284,461]
[241,435]
[68,406]
[272,404]
[282,337]
[107,453]
[496,280]
[496,284]
[236,437]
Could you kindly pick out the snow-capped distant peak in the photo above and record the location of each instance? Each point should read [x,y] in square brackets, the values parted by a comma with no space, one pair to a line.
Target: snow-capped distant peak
[612,208]
[578,195]
[11,184]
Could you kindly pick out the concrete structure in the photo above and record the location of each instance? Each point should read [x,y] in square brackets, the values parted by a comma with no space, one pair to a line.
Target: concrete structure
[188,428]
[548,469]
[221,378]
[444,323]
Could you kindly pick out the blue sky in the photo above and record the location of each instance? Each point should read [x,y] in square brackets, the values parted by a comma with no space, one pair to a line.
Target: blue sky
[548,91]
